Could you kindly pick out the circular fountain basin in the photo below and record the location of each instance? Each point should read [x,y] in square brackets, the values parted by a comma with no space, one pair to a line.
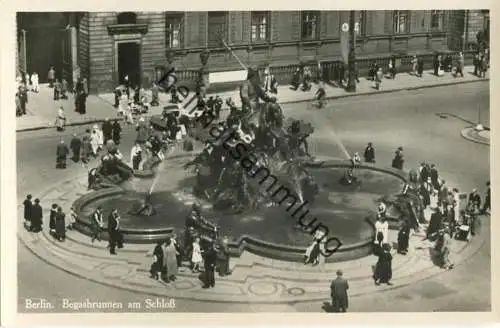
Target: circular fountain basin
[346,211]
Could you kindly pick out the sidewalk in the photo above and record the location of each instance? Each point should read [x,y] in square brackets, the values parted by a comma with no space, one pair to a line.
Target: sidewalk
[42,109]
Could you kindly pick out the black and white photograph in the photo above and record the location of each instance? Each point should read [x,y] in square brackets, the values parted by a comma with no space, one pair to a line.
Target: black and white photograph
[239,161]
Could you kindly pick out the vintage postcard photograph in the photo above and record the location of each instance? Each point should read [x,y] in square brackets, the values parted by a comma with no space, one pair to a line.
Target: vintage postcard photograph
[250,161]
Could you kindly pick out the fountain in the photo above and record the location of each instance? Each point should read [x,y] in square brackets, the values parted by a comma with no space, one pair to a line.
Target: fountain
[237,200]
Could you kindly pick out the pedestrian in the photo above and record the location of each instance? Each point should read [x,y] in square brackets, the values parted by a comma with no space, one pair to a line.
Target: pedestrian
[460,65]
[404,238]
[35,82]
[116,132]
[476,62]
[107,130]
[434,223]
[51,75]
[223,257]
[382,227]
[61,155]
[97,224]
[483,66]
[398,160]
[474,199]
[86,147]
[19,110]
[369,153]
[157,265]
[115,235]
[60,119]
[392,67]
[434,177]
[487,200]
[443,246]
[196,258]
[94,142]
[64,89]
[378,78]
[338,293]
[57,90]
[414,65]
[383,268]
[210,259]
[52,219]
[136,156]
[312,253]
[420,67]
[155,91]
[372,71]
[28,205]
[23,97]
[178,250]
[72,218]
[75,145]
[218,106]
[170,261]
[36,216]
[60,229]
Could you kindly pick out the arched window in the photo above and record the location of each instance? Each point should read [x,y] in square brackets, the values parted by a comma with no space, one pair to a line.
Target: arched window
[127,18]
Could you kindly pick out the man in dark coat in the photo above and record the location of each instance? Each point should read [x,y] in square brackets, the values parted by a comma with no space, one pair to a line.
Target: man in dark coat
[117,130]
[223,258]
[36,216]
[61,155]
[28,205]
[210,259]
[434,177]
[420,67]
[115,237]
[404,238]
[107,130]
[338,288]
[474,199]
[398,160]
[434,223]
[75,146]
[369,153]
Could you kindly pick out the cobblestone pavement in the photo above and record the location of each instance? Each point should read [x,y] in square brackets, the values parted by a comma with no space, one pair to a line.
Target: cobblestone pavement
[355,121]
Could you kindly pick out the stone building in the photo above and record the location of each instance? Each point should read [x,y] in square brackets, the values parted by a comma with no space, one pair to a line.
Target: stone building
[106,46]
[464,26]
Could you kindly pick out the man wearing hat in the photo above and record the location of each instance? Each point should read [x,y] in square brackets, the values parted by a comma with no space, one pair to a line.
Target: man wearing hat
[398,160]
[434,223]
[36,216]
[474,199]
[75,146]
[338,288]
[107,130]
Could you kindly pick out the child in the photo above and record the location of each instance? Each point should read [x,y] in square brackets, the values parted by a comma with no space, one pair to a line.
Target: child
[196,255]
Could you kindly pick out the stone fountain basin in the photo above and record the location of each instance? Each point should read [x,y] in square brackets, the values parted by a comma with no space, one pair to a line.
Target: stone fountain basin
[347,211]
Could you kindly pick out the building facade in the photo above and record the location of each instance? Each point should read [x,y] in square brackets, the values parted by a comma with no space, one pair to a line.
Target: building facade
[106,46]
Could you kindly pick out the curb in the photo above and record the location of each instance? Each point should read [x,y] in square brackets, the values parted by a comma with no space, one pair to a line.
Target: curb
[465,134]
[370,93]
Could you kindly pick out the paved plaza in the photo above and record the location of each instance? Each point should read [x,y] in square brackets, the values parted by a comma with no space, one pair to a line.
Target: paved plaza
[424,118]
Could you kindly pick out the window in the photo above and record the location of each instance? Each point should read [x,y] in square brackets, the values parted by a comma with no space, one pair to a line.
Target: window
[400,22]
[127,18]
[361,22]
[217,28]
[437,20]
[174,22]
[260,26]
[310,25]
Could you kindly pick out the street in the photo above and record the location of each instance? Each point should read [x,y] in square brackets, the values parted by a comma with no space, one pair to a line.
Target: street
[408,119]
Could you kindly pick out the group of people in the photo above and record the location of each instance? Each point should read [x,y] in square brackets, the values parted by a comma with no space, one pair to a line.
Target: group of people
[58,221]
[89,145]
[200,246]
[115,236]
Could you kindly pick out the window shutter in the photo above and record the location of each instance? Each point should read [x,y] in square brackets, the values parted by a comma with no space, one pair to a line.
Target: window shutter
[275,26]
[369,22]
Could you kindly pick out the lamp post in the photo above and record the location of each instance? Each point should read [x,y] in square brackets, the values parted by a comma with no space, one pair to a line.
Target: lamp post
[351,84]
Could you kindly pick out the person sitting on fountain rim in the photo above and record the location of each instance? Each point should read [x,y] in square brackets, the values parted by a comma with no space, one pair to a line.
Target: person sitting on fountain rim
[369,153]
[355,160]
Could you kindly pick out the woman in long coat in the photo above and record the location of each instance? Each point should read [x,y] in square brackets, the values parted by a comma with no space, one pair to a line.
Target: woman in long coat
[52,217]
[170,260]
[157,266]
[60,224]
[383,268]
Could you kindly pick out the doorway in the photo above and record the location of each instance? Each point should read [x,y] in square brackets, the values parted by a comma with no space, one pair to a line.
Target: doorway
[44,49]
[129,59]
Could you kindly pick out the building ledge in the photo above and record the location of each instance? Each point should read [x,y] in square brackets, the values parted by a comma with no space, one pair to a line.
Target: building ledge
[127,29]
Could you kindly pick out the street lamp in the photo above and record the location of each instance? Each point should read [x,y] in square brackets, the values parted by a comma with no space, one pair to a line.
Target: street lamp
[351,62]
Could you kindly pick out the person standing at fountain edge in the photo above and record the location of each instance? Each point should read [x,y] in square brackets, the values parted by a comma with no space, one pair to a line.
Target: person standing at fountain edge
[338,292]
[170,261]
[369,153]
[398,160]
[210,262]
[36,216]
[28,205]
[75,145]
[97,224]
[115,235]
[107,130]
